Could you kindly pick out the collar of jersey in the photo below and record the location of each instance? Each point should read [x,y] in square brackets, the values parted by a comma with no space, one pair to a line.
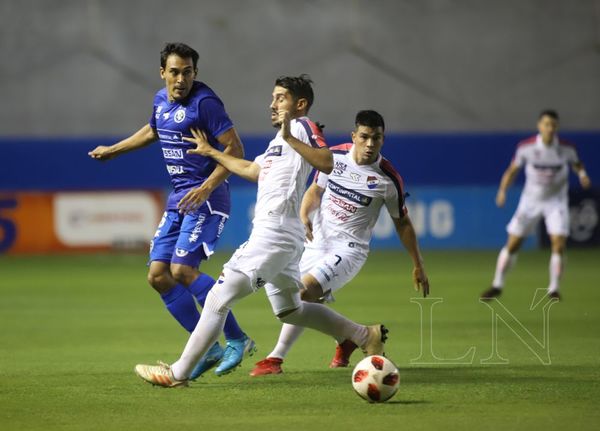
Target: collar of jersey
[540,143]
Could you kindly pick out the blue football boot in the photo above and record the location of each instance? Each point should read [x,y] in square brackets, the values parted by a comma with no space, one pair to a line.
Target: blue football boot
[209,360]
[235,351]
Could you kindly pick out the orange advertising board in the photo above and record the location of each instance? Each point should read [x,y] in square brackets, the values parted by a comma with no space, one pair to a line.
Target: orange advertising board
[77,221]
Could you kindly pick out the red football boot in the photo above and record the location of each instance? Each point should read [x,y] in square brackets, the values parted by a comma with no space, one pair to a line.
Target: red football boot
[267,366]
[342,354]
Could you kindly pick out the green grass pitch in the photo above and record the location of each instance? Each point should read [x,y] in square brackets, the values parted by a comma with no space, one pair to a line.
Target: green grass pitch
[73,327]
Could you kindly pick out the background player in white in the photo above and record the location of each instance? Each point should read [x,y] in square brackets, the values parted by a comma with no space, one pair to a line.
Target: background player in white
[339,212]
[271,255]
[546,159]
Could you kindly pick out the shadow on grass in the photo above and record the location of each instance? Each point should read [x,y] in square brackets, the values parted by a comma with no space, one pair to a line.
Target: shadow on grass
[407,402]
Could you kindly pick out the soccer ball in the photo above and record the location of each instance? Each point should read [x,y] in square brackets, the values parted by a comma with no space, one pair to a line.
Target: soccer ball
[376,379]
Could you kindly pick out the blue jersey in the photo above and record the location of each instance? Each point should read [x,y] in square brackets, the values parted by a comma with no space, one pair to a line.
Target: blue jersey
[201,109]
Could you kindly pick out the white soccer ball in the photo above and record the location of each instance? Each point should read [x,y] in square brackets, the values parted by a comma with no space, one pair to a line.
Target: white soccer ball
[376,379]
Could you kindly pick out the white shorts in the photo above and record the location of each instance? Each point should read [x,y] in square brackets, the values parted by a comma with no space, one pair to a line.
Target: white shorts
[529,212]
[270,259]
[334,267]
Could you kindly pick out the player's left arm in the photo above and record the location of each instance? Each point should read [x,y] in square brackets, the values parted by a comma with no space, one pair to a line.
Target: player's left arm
[584,179]
[408,236]
[319,158]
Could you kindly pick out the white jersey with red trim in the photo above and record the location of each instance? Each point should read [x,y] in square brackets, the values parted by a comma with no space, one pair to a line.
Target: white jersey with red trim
[283,177]
[353,197]
[546,167]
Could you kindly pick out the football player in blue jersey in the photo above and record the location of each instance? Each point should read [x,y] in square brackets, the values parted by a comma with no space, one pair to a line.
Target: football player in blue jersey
[199,205]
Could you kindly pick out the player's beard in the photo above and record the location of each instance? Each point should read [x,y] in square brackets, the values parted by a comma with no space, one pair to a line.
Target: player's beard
[275,122]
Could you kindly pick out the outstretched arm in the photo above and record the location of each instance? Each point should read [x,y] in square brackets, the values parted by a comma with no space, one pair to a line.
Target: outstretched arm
[507,179]
[241,167]
[319,158]
[584,180]
[310,202]
[406,233]
[143,137]
[197,196]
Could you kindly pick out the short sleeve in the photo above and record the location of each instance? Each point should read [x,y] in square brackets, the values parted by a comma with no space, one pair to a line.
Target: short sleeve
[308,132]
[520,156]
[260,160]
[394,202]
[152,121]
[573,157]
[321,179]
[212,117]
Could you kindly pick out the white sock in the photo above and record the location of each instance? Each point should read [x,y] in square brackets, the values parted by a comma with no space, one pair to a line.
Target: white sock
[219,301]
[504,263]
[556,269]
[327,321]
[287,337]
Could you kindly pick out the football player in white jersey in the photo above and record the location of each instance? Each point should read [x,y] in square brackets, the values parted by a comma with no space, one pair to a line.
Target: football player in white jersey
[270,258]
[339,212]
[546,160]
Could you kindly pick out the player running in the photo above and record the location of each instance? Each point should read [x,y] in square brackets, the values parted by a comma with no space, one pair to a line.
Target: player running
[199,205]
[271,255]
[546,159]
[339,212]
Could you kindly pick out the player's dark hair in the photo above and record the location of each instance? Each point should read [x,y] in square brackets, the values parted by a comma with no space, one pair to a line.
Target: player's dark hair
[549,113]
[299,87]
[180,49]
[369,118]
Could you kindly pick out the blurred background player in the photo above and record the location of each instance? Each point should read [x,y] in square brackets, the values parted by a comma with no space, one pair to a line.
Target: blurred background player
[199,205]
[339,212]
[270,258]
[546,159]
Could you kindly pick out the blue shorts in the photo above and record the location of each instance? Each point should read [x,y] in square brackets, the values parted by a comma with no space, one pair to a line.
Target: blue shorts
[186,239]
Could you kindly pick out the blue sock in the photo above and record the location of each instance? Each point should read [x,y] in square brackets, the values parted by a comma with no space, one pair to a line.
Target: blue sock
[180,303]
[200,288]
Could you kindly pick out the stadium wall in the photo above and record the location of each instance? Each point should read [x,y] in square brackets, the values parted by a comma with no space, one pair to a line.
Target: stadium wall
[91,66]
[54,197]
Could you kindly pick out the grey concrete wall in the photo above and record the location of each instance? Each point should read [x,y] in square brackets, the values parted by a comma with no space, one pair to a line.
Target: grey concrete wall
[90,67]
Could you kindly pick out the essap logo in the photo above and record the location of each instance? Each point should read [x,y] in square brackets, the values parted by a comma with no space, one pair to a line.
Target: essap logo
[372,182]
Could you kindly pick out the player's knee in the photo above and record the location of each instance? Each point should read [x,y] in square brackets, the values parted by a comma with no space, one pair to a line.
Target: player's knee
[160,281]
[311,295]
[311,290]
[230,288]
[514,244]
[184,274]
[558,245]
[287,316]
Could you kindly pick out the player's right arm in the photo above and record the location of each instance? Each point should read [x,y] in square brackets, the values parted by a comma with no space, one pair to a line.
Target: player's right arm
[310,202]
[143,137]
[241,167]
[507,179]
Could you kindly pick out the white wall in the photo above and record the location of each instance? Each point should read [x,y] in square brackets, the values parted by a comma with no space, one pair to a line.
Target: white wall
[91,67]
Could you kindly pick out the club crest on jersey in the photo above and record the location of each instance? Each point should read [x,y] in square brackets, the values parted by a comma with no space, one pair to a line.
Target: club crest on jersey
[179,115]
[339,168]
[181,252]
[372,182]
